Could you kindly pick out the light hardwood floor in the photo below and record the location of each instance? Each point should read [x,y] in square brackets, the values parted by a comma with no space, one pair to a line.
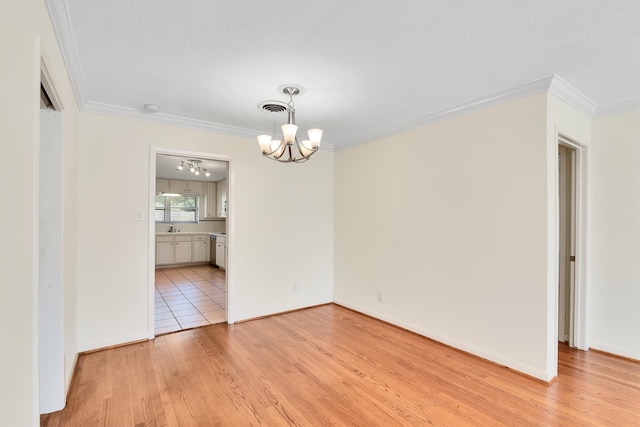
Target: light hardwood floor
[330,366]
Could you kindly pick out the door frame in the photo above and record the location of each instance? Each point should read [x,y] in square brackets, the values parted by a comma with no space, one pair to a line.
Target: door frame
[580,183]
[153,151]
[49,230]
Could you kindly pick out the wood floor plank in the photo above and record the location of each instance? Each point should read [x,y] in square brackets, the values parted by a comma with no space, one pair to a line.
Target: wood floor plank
[331,366]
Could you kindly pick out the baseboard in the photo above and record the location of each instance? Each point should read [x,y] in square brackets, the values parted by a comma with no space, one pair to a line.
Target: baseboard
[528,371]
[249,319]
[67,386]
[191,264]
[103,345]
[613,351]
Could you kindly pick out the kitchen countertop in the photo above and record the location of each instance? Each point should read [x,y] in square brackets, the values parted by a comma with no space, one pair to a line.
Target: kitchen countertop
[166,233]
[210,233]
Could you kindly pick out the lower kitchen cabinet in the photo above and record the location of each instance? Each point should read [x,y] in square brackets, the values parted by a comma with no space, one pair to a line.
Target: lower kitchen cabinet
[221,255]
[183,252]
[164,253]
[182,249]
[199,249]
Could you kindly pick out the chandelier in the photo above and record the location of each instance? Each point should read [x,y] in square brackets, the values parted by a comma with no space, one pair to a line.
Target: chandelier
[194,167]
[289,149]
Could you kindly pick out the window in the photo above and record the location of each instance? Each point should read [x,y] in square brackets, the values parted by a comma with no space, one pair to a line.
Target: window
[176,208]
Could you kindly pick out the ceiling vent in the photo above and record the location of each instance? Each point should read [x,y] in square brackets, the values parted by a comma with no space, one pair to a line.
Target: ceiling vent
[273,106]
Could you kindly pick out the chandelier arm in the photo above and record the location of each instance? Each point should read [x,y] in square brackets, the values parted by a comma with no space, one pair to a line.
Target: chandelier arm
[272,152]
[300,144]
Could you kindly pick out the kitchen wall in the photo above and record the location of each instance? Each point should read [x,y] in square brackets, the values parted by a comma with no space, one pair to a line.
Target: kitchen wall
[463,259]
[614,239]
[280,227]
[204,226]
[25,36]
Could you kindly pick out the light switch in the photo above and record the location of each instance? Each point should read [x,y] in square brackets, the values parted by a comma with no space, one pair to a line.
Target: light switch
[139,217]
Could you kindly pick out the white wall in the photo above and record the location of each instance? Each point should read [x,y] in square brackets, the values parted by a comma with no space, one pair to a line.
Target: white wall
[25,33]
[449,222]
[280,227]
[614,226]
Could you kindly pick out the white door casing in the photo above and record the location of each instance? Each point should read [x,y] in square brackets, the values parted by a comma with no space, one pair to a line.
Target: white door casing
[50,297]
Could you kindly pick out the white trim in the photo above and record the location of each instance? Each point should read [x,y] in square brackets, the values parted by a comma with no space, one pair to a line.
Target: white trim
[580,337]
[523,90]
[544,376]
[116,341]
[153,151]
[572,96]
[184,122]
[167,119]
[151,307]
[69,377]
[618,351]
[59,14]
[626,105]
[35,239]
[46,79]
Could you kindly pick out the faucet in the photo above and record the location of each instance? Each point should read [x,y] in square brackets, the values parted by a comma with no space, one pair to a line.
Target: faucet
[171,228]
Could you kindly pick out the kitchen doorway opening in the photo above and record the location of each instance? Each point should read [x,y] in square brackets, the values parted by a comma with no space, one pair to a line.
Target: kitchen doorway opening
[189,209]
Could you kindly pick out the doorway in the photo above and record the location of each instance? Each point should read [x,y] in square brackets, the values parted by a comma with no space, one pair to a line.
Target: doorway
[571,222]
[51,357]
[566,243]
[188,287]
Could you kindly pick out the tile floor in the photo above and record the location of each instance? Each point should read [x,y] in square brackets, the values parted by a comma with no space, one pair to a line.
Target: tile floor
[188,297]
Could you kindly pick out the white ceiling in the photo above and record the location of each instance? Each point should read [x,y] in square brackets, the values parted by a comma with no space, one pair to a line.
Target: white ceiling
[368,67]
[167,167]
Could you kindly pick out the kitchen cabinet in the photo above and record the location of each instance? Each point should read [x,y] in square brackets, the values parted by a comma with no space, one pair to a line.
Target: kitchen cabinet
[181,248]
[162,185]
[164,253]
[221,199]
[184,247]
[200,243]
[211,202]
[186,187]
[221,255]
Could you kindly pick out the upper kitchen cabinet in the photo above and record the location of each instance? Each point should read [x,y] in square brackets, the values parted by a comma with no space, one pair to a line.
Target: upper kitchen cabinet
[186,187]
[211,200]
[162,185]
[221,189]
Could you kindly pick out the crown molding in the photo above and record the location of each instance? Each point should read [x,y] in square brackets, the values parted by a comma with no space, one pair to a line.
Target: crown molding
[552,84]
[529,88]
[568,93]
[167,119]
[630,104]
[59,17]
[184,122]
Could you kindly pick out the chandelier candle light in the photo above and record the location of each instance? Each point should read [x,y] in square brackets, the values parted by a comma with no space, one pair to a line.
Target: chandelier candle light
[289,149]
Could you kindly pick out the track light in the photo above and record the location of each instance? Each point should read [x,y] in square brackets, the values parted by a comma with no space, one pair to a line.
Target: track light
[194,168]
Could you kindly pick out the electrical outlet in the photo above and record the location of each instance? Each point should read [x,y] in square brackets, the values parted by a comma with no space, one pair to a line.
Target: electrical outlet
[380,296]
